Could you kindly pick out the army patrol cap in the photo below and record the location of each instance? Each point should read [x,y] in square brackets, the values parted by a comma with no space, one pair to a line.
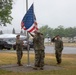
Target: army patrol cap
[37,31]
[18,35]
[57,35]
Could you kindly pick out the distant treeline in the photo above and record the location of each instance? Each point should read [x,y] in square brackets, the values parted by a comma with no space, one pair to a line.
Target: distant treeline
[60,30]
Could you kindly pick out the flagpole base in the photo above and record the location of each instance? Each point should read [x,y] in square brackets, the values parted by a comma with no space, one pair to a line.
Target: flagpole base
[28,65]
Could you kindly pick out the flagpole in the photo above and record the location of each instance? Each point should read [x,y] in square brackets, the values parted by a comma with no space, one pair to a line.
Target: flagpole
[26,5]
[28,63]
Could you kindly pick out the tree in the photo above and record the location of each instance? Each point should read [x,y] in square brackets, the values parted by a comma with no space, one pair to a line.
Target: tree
[13,31]
[71,32]
[5,11]
[59,31]
[43,29]
[47,31]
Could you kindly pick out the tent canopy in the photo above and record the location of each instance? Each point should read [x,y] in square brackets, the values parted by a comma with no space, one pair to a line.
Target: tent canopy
[6,36]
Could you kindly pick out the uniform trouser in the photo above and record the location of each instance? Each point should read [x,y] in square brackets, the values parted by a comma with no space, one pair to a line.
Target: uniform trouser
[19,56]
[58,54]
[39,58]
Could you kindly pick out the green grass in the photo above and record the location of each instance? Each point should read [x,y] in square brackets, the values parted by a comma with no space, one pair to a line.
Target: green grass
[68,64]
[52,72]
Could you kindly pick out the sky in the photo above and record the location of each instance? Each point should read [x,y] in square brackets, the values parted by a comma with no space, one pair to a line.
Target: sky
[48,12]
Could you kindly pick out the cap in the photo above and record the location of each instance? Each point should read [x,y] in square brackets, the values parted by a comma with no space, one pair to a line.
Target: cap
[57,35]
[17,35]
[37,31]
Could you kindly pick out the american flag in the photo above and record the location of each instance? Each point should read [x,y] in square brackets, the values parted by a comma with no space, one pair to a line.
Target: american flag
[29,20]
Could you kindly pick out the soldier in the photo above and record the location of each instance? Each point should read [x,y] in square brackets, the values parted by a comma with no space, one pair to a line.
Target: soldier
[58,48]
[38,41]
[19,48]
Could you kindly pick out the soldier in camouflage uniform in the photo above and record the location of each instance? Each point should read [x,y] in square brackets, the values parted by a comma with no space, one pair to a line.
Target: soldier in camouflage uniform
[38,41]
[19,48]
[58,48]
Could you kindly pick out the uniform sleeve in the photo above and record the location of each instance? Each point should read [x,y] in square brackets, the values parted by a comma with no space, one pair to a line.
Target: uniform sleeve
[53,39]
[62,45]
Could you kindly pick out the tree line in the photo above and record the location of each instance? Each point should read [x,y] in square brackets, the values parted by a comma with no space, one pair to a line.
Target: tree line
[60,30]
[5,17]
[14,32]
[5,12]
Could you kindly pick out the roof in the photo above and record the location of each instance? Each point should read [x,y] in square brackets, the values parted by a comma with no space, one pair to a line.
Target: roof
[10,36]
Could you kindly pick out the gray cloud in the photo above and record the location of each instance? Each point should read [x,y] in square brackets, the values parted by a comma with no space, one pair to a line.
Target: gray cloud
[50,12]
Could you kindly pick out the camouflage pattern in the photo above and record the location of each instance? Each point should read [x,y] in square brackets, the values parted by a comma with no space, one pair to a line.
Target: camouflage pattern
[58,50]
[19,56]
[38,41]
[39,58]
[19,48]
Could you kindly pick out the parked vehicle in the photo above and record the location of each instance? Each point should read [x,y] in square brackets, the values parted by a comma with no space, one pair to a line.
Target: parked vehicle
[31,44]
[25,45]
[5,45]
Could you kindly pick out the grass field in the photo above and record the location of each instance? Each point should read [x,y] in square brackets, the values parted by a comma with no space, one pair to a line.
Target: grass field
[68,64]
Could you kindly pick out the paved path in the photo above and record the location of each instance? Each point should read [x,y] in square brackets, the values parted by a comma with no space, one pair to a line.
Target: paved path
[66,50]
[26,68]
[49,49]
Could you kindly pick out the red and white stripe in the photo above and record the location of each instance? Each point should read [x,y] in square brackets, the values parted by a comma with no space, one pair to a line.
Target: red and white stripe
[33,28]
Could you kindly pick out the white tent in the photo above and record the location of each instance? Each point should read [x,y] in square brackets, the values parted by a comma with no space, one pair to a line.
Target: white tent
[11,36]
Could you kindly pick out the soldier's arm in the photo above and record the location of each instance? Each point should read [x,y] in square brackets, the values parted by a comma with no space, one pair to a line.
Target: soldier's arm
[62,45]
[53,39]
[31,34]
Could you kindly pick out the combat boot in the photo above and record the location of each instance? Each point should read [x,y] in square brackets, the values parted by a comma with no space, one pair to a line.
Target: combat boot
[41,68]
[35,68]
[19,64]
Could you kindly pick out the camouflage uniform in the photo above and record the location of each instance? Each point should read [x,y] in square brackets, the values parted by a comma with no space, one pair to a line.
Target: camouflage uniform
[58,50]
[19,49]
[38,41]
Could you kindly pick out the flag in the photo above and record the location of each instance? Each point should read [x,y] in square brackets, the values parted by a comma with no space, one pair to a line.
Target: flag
[29,20]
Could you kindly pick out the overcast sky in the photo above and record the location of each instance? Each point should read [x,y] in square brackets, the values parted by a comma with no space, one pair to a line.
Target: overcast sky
[48,12]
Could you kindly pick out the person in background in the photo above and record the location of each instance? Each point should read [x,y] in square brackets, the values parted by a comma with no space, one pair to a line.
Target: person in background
[19,49]
[58,48]
[38,41]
